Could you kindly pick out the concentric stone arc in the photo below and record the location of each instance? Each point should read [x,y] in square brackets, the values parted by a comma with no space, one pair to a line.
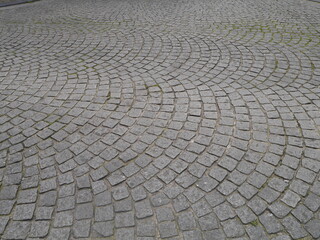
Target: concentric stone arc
[190,119]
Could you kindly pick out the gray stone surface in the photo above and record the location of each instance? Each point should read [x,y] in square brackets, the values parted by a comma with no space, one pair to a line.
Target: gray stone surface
[192,119]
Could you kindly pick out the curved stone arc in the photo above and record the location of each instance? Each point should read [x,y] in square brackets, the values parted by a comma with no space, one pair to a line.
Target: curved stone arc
[148,103]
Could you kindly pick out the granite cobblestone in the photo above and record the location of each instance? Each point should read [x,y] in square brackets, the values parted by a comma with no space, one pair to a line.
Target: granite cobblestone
[189,119]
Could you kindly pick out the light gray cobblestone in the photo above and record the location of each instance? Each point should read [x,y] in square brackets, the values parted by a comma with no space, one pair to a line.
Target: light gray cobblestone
[192,119]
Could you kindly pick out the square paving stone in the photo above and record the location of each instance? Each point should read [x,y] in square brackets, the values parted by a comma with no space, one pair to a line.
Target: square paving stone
[215,198]
[47,185]
[284,172]
[8,192]
[103,229]
[312,202]
[313,227]
[167,175]
[27,196]
[116,178]
[257,205]
[120,192]
[201,208]
[159,199]
[180,203]
[138,193]
[146,228]
[164,214]
[6,206]
[17,230]
[245,214]
[233,228]
[24,212]
[226,187]
[299,187]
[98,187]
[280,210]
[153,185]
[44,213]
[63,219]
[193,194]
[124,233]
[228,163]
[81,229]
[59,233]
[302,213]
[290,198]
[124,220]
[135,180]
[66,203]
[191,235]
[306,175]
[268,194]
[236,200]
[216,234]
[207,183]
[83,196]
[224,211]
[208,222]
[294,228]
[3,223]
[104,213]
[39,229]
[84,211]
[278,184]
[143,209]
[48,199]
[257,232]
[186,221]
[123,205]
[185,180]
[168,229]
[271,224]
[102,198]
[247,190]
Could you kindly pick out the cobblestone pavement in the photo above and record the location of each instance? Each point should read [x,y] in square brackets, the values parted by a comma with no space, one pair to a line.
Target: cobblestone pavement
[153,119]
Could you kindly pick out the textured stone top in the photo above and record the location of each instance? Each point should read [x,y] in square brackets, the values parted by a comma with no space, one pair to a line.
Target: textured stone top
[154,119]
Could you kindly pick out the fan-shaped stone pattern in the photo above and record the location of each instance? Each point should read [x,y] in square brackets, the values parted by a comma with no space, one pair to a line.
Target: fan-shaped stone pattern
[161,119]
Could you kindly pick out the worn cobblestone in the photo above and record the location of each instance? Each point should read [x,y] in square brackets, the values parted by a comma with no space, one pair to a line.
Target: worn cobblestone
[190,119]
